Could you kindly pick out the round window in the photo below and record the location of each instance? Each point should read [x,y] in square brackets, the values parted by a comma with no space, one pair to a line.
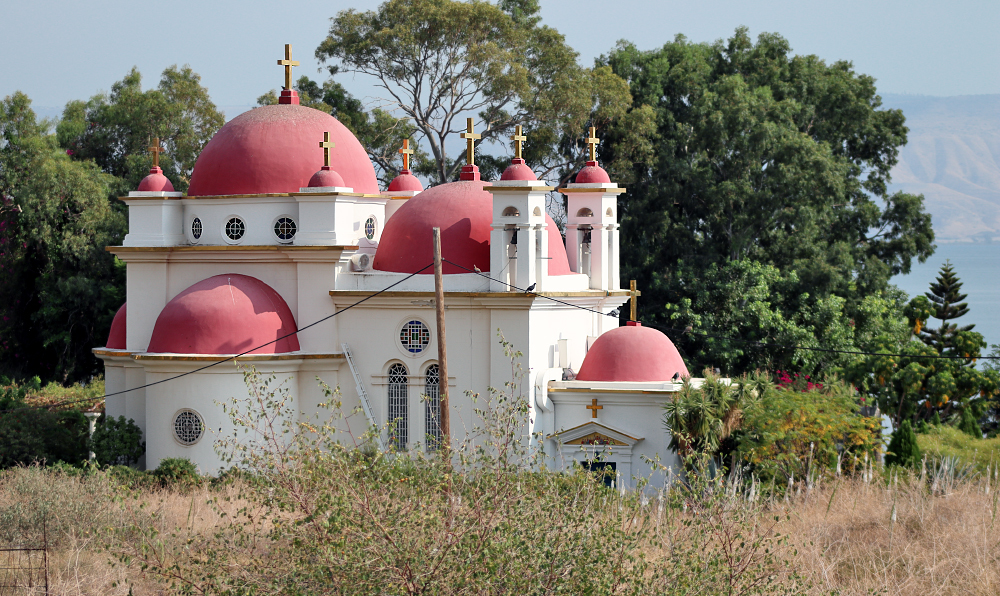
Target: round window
[414,337]
[370,228]
[188,427]
[235,228]
[284,228]
[196,228]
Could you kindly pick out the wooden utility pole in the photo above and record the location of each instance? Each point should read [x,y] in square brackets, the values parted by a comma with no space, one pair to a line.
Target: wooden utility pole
[445,417]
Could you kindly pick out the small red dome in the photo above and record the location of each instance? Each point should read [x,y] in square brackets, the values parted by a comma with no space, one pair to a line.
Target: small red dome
[225,314]
[405,182]
[518,171]
[326,176]
[116,339]
[632,353]
[275,149]
[591,174]
[464,212]
[155,182]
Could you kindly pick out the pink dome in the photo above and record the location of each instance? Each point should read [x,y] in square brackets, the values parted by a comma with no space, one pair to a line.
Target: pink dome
[518,171]
[591,174]
[275,149]
[632,353]
[155,182]
[116,338]
[326,176]
[225,314]
[464,212]
[405,182]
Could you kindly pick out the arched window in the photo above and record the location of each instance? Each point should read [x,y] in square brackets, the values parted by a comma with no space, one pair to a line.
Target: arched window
[398,404]
[585,212]
[432,415]
[511,212]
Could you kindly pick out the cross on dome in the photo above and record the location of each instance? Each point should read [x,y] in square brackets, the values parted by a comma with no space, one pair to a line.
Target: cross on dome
[592,142]
[406,152]
[633,299]
[156,150]
[519,140]
[288,63]
[470,139]
[326,144]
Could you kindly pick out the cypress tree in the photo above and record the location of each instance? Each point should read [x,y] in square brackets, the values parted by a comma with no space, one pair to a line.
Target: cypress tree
[923,428]
[969,425]
[936,419]
[903,449]
[946,299]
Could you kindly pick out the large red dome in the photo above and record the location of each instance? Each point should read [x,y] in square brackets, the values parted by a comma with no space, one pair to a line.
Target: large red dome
[275,149]
[464,212]
[632,353]
[225,314]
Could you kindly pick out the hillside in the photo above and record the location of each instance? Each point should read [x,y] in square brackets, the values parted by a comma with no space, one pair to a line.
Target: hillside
[953,159]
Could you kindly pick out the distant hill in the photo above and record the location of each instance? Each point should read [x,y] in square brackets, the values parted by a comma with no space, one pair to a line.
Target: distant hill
[953,159]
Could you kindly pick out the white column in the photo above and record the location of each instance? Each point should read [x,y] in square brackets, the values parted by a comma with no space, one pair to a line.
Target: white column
[541,255]
[615,257]
[573,247]
[525,262]
[599,243]
[498,258]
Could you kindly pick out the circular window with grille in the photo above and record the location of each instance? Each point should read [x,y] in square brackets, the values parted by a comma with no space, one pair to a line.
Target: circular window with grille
[370,228]
[196,228]
[235,229]
[188,427]
[414,336]
[284,229]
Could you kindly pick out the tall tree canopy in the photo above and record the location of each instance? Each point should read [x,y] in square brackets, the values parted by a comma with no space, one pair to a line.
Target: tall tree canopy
[765,213]
[59,289]
[115,129]
[440,61]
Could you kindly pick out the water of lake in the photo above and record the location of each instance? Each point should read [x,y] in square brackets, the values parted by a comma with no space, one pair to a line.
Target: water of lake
[978,267]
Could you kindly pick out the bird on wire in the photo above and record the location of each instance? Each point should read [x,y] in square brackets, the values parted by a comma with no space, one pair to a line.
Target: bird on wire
[530,289]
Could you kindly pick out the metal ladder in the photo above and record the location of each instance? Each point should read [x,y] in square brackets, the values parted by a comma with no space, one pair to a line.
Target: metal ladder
[363,395]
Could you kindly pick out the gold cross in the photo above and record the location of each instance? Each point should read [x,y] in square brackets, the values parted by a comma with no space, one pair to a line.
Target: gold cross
[156,150]
[407,152]
[326,144]
[519,140]
[288,63]
[592,140]
[633,297]
[470,138]
[593,407]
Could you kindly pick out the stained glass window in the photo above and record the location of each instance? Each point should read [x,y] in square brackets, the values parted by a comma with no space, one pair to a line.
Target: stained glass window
[397,405]
[188,427]
[414,336]
[196,228]
[235,228]
[432,416]
[370,228]
[284,228]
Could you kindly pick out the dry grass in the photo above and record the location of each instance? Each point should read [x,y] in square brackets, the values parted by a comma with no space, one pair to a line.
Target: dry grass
[852,537]
[899,539]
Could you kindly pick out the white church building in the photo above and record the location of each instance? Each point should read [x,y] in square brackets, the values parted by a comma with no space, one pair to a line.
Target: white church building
[284,224]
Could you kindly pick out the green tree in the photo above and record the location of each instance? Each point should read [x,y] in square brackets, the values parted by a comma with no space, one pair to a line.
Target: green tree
[59,288]
[969,425]
[903,449]
[114,130]
[767,160]
[117,442]
[441,60]
[946,304]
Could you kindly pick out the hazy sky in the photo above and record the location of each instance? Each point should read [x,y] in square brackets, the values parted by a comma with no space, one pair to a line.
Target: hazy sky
[57,51]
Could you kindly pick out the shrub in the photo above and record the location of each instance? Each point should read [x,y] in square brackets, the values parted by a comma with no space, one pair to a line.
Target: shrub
[117,442]
[797,433]
[903,449]
[947,441]
[29,435]
[177,472]
[968,423]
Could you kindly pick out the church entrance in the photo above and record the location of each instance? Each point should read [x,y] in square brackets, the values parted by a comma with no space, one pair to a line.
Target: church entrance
[605,471]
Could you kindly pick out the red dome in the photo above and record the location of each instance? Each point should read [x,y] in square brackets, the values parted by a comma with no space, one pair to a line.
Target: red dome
[405,182]
[224,314]
[326,176]
[155,182]
[632,353]
[518,171]
[591,174]
[275,149]
[116,339]
[464,212]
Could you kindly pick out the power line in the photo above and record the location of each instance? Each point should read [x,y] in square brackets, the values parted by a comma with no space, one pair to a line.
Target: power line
[224,360]
[754,343]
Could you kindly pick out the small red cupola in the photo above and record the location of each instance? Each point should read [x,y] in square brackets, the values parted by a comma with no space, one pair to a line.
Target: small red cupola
[632,354]
[405,181]
[592,173]
[155,181]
